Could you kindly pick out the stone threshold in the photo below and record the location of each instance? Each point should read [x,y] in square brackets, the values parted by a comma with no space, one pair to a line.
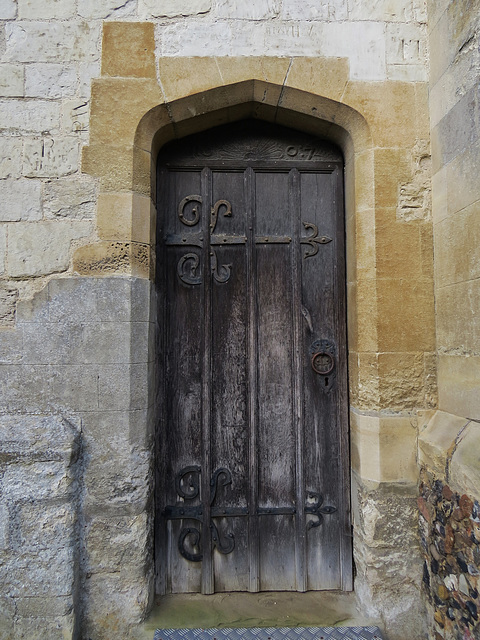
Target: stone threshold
[249,610]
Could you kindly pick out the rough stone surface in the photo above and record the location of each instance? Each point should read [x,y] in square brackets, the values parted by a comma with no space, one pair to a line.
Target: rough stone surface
[73,198]
[388,581]
[12,80]
[171,8]
[50,80]
[8,9]
[42,248]
[50,157]
[40,470]
[11,149]
[20,200]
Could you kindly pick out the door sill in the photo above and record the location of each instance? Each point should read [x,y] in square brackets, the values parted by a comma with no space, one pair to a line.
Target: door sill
[264,609]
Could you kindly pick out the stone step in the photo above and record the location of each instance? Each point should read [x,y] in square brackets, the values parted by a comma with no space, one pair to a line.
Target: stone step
[272,633]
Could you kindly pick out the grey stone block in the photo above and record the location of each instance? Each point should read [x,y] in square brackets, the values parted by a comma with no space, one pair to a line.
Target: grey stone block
[33,438]
[123,387]
[60,628]
[47,527]
[75,387]
[25,388]
[36,481]
[7,613]
[11,346]
[44,607]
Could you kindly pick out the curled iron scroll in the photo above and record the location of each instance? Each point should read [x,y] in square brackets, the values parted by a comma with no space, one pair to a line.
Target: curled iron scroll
[195,210]
[187,269]
[194,539]
[187,482]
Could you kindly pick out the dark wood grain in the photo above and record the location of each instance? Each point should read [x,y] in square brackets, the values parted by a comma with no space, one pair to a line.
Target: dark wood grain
[237,389]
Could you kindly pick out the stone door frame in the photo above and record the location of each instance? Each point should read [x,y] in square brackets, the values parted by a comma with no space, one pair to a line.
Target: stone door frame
[139,104]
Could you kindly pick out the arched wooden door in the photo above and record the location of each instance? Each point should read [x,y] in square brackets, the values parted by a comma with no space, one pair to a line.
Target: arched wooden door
[252,473]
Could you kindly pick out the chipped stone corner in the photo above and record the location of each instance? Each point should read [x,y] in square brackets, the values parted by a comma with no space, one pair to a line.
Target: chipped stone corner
[415,196]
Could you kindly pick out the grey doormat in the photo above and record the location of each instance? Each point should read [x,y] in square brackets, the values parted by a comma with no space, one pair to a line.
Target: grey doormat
[270,633]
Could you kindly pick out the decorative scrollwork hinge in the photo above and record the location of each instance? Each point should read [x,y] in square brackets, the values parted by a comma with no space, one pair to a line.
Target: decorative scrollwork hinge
[313,240]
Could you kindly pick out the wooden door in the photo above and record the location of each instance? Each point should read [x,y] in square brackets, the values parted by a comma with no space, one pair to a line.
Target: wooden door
[252,464]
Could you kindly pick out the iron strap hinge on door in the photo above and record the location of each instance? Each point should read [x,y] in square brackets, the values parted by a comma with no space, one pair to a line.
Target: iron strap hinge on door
[187,484]
[188,267]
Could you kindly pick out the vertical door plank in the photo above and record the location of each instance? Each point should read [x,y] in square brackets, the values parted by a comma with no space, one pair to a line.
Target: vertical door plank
[230,440]
[276,435]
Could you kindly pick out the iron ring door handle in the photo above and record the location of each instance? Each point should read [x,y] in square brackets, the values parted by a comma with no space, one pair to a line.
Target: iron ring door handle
[322,363]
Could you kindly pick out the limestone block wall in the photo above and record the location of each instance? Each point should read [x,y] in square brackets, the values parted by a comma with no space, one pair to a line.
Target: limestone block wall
[89,91]
[449,442]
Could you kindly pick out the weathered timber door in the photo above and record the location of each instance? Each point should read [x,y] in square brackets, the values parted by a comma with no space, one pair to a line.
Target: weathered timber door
[252,464]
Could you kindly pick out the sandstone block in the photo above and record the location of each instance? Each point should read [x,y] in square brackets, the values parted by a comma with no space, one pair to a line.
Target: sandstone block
[458,321]
[463,186]
[437,441]
[52,41]
[11,344]
[458,384]
[118,105]
[50,157]
[10,157]
[12,80]
[50,80]
[171,8]
[8,9]
[43,247]
[465,464]
[128,49]
[72,198]
[29,117]
[384,449]
[45,10]
[7,615]
[20,200]
[312,10]
[457,247]
[93,10]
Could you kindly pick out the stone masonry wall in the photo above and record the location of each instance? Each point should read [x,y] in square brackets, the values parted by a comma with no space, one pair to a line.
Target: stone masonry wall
[40,520]
[50,51]
[81,350]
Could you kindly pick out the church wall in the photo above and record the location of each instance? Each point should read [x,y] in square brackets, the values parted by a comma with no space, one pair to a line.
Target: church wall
[89,94]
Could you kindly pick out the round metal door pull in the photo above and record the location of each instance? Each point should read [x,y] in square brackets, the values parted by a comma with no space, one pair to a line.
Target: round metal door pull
[322,363]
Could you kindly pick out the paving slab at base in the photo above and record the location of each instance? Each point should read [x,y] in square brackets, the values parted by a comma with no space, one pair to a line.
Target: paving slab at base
[272,633]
